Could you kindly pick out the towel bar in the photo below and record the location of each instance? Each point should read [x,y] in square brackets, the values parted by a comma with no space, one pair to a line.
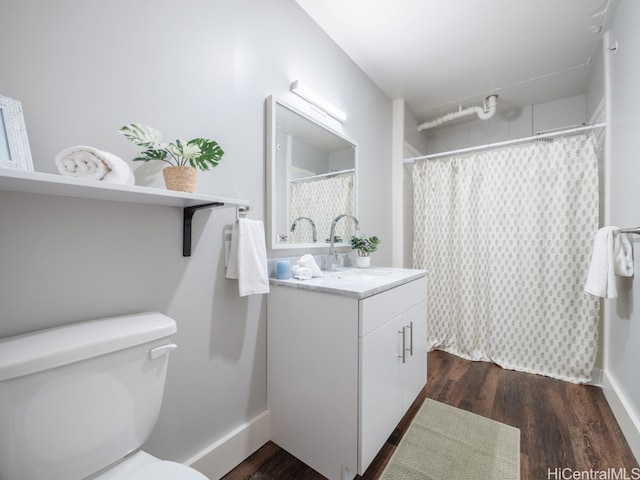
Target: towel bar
[187,217]
[635,230]
[242,211]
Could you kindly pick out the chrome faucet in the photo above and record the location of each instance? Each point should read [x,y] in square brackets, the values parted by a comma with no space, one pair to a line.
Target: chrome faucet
[313,226]
[333,256]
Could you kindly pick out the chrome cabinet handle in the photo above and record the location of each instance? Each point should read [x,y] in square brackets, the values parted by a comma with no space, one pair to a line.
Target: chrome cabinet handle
[404,345]
[411,339]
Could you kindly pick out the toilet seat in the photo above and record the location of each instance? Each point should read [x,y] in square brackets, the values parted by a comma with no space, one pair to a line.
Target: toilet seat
[165,470]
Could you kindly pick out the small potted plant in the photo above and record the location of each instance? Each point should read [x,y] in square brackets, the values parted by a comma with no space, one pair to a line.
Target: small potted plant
[364,246]
[184,158]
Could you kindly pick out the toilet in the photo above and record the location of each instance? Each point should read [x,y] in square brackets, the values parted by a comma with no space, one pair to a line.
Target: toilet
[78,401]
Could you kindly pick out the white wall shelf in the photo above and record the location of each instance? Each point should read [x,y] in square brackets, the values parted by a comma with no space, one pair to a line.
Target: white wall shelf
[50,184]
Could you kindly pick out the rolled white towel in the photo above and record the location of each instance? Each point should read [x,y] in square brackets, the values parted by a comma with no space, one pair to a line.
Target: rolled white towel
[301,273]
[309,262]
[89,162]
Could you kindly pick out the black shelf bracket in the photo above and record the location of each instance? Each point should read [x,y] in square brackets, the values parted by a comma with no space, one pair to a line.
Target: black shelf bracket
[186,224]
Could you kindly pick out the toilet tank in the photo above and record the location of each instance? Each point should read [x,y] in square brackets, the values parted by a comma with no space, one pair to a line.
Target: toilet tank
[77,398]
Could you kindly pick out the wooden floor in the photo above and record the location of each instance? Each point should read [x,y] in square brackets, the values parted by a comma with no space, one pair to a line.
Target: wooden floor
[562,425]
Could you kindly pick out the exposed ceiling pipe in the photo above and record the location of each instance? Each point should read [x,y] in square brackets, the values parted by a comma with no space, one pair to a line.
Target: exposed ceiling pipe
[484,113]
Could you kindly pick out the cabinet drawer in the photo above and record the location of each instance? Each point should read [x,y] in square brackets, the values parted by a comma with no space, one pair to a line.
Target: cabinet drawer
[377,310]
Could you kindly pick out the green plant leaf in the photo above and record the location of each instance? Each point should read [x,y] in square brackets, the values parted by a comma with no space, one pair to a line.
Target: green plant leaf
[141,135]
[210,154]
[364,244]
[151,154]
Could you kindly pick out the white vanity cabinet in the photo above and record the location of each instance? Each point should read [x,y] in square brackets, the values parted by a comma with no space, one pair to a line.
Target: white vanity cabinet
[342,370]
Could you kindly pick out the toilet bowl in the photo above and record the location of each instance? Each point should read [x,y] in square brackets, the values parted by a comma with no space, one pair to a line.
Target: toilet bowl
[78,401]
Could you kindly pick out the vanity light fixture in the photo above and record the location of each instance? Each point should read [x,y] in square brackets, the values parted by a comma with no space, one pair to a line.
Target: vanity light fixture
[317,101]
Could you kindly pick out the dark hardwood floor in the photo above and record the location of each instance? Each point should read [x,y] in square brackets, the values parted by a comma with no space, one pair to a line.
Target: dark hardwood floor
[562,425]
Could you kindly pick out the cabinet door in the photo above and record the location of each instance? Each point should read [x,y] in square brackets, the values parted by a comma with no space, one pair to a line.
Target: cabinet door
[414,372]
[312,372]
[380,389]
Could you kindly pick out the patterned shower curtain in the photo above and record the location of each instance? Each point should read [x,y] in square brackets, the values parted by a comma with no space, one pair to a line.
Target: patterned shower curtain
[322,200]
[506,236]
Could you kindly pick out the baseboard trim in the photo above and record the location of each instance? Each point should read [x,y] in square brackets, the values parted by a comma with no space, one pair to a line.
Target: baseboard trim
[597,375]
[627,419]
[218,459]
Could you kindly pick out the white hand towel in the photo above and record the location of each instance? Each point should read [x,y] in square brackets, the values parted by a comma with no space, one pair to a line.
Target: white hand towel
[309,262]
[301,273]
[623,255]
[89,162]
[612,255]
[248,257]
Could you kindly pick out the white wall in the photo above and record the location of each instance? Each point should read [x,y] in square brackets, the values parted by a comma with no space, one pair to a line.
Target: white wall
[622,319]
[415,139]
[414,144]
[191,68]
[595,90]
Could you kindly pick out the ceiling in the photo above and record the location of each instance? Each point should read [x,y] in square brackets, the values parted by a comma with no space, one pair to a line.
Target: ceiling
[442,54]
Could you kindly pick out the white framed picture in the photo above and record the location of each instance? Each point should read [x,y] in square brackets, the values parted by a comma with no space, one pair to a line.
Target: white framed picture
[14,144]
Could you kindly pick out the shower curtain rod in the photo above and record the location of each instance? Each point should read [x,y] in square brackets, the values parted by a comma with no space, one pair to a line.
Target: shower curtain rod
[516,141]
[322,175]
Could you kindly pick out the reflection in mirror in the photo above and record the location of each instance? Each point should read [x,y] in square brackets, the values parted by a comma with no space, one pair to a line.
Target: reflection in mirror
[311,172]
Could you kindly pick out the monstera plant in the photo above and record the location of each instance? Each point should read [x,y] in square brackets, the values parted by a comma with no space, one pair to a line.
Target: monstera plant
[183,157]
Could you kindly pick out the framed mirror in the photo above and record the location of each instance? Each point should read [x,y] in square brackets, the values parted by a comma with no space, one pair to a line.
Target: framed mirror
[311,179]
[14,145]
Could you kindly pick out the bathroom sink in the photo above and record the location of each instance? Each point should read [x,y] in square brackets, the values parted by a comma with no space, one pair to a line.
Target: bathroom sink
[355,282]
[358,273]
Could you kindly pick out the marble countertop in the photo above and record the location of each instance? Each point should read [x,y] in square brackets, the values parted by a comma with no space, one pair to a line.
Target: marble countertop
[355,282]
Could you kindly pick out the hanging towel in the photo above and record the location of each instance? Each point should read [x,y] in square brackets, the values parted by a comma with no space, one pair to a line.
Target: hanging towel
[248,257]
[612,255]
[89,162]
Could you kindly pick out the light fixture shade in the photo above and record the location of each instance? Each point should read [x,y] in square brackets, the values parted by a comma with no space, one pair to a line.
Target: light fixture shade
[316,100]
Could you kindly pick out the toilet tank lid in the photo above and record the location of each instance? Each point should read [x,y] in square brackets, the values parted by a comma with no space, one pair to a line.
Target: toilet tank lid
[54,347]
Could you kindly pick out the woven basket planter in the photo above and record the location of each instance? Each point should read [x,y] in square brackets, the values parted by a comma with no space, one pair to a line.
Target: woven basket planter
[181,179]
